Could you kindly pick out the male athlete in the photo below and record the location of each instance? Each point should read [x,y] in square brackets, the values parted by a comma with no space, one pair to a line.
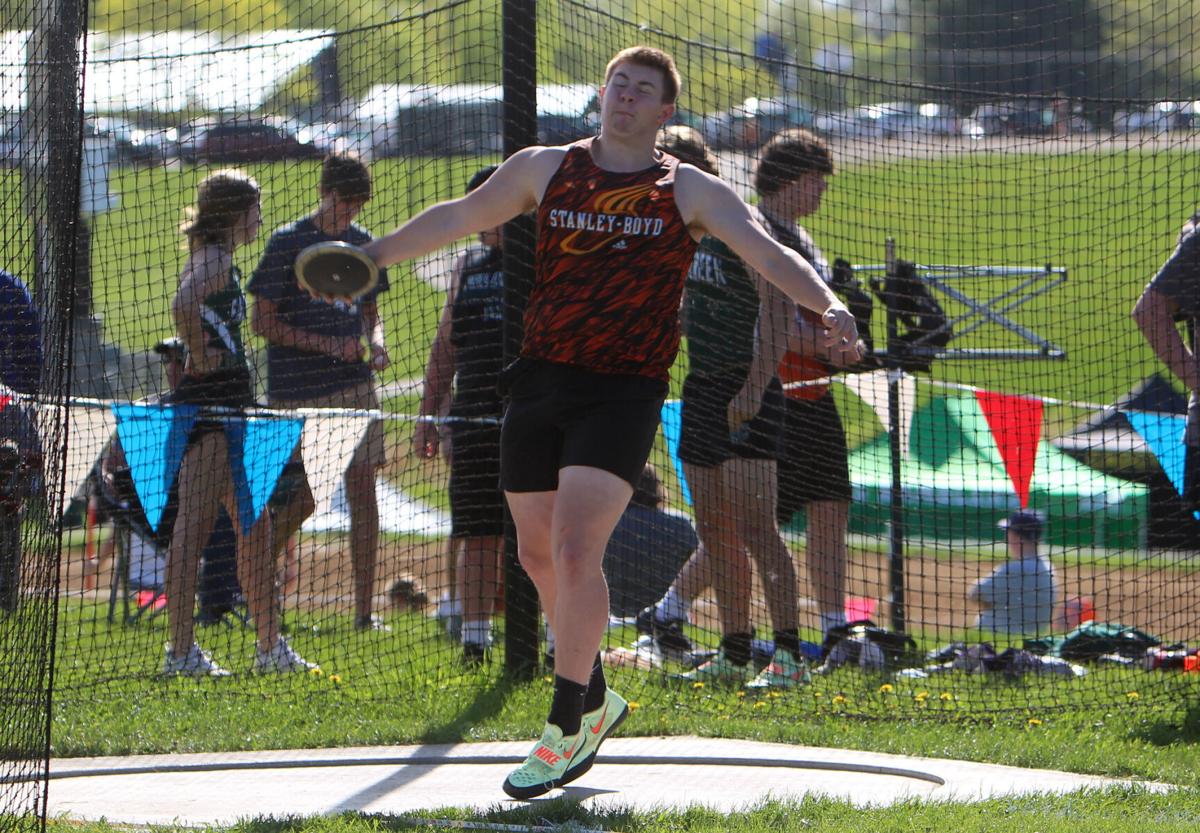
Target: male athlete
[618,223]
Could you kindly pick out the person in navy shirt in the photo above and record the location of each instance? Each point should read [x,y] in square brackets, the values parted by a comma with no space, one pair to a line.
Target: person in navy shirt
[316,358]
[20,449]
[20,336]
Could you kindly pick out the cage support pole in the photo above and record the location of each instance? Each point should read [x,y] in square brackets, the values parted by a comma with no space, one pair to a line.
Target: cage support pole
[519,31]
[896,527]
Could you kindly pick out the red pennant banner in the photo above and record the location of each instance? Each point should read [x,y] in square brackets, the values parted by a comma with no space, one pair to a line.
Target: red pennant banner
[1016,423]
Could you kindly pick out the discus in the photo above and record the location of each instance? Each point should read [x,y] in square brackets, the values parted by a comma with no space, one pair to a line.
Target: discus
[334,269]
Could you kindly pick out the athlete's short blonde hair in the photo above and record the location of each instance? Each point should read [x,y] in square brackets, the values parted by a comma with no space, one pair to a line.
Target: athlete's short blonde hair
[649,56]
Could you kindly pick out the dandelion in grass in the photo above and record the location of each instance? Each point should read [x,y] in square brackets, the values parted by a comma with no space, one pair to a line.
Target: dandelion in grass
[740,695]
[886,688]
[839,700]
[335,679]
[1033,721]
[1132,695]
[634,705]
[945,695]
[760,705]
[921,697]
[774,695]
[697,684]
[316,672]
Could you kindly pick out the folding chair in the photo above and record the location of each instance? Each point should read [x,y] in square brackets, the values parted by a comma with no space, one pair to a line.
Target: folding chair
[136,600]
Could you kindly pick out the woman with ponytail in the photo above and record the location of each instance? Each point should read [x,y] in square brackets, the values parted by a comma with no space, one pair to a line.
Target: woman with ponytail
[208,309]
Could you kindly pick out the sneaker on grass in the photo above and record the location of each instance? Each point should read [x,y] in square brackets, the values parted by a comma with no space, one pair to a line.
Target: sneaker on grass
[668,635]
[281,659]
[718,670]
[783,671]
[194,663]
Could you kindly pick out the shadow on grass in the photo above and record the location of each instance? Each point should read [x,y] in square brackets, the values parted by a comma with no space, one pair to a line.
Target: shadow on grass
[487,703]
[1177,727]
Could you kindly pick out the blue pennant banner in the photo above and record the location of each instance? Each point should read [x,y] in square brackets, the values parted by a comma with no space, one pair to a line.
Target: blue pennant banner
[672,424]
[154,438]
[259,448]
[1164,434]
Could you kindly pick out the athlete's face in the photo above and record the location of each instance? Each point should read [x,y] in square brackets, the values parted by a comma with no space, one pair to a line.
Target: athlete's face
[802,195]
[632,100]
[247,226]
[340,211]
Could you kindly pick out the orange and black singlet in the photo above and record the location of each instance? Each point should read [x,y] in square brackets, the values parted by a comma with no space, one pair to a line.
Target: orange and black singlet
[612,255]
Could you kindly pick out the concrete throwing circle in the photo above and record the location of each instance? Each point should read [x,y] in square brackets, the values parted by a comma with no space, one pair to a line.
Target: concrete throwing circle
[638,773]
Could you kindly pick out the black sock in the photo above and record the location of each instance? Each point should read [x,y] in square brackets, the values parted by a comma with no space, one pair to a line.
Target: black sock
[597,688]
[737,647]
[566,709]
[789,640]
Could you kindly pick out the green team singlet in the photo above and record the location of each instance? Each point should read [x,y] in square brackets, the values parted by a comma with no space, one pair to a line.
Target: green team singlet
[221,317]
[721,311]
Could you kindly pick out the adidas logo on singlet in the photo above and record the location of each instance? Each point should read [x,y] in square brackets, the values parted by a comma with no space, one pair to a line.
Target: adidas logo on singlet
[620,244]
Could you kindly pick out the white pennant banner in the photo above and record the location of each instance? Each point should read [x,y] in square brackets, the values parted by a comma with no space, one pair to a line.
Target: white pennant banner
[89,428]
[872,388]
[327,446]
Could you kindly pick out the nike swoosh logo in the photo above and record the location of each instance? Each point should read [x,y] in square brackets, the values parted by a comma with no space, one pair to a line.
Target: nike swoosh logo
[600,722]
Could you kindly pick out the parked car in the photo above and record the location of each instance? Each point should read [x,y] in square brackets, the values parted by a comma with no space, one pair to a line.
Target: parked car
[244,140]
[1162,117]
[133,144]
[753,123]
[567,112]
[326,136]
[466,118]
[890,119]
[1026,117]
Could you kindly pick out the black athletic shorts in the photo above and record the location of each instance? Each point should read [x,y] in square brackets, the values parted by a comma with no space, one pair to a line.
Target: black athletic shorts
[224,388]
[705,439]
[292,479]
[476,501]
[814,465]
[559,416]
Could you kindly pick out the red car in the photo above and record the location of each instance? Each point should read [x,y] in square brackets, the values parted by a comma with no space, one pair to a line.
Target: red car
[246,141]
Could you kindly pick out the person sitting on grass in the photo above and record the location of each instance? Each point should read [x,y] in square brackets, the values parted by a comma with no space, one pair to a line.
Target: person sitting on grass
[1018,597]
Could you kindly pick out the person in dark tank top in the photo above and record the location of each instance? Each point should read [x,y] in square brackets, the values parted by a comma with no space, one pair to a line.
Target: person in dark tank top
[461,374]
[618,223]
[209,309]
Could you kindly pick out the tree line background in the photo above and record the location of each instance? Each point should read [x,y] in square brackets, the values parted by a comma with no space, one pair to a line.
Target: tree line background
[1106,52]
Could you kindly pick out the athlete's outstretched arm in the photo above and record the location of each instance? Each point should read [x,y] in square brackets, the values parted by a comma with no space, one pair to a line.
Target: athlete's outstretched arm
[513,189]
[708,204]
